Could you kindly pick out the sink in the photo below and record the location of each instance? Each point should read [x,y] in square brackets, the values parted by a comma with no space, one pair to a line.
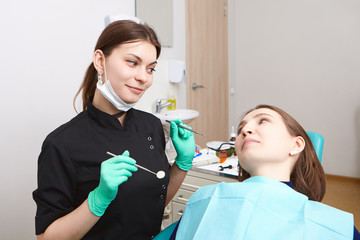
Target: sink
[185,115]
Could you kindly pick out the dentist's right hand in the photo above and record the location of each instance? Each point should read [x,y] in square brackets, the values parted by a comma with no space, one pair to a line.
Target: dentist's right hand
[114,172]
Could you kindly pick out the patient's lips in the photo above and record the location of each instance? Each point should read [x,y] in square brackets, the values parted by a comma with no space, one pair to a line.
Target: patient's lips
[248,141]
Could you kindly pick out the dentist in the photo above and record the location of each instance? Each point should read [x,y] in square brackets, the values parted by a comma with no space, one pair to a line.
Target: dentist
[82,192]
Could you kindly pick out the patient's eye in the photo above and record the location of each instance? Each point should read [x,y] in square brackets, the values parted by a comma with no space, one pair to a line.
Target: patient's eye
[239,130]
[263,120]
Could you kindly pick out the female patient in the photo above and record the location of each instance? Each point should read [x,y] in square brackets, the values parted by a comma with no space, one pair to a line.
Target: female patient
[276,157]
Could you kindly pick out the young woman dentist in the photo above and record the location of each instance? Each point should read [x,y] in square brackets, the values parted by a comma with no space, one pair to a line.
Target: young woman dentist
[279,197]
[83,193]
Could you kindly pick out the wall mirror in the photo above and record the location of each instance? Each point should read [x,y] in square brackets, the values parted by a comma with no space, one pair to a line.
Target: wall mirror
[159,15]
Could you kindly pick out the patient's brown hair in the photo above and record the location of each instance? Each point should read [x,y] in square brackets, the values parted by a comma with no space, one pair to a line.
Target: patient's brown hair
[307,176]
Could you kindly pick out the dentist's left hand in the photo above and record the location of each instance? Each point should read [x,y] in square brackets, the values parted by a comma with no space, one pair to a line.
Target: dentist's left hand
[184,144]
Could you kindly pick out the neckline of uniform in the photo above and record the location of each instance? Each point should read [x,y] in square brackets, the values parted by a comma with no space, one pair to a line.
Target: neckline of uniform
[107,120]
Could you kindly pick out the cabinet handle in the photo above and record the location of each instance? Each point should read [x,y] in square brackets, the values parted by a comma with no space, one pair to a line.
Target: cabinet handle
[167,210]
[181,198]
[180,212]
[190,185]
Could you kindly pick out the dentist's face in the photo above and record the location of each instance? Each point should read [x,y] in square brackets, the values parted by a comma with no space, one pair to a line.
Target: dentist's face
[130,68]
[262,139]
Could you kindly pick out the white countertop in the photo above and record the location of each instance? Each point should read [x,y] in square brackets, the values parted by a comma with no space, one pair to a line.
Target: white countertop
[209,162]
[233,161]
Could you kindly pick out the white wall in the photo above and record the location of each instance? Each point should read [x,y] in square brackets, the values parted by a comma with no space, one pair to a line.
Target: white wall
[304,57]
[161,87]
[46,47]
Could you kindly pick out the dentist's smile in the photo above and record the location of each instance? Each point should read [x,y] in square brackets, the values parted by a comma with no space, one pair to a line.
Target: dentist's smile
[135,89]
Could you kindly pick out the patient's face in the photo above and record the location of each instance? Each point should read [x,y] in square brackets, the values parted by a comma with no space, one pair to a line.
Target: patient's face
[262,141]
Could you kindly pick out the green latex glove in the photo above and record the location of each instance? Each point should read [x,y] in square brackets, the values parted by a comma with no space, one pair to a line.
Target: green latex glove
[114,172]
[184,144]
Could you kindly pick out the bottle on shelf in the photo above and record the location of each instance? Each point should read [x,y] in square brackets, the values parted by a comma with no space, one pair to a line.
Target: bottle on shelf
[233,134]
[233,138]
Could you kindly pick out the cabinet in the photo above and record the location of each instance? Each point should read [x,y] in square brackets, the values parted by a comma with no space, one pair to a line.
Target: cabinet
[193,181]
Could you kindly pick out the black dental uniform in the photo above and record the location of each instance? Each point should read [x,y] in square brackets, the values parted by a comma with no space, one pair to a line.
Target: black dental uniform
[69,168]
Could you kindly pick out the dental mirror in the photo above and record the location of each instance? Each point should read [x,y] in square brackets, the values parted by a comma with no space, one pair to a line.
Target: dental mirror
[160,174]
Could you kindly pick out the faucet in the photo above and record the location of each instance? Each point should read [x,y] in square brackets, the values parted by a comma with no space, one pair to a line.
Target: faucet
[160,106]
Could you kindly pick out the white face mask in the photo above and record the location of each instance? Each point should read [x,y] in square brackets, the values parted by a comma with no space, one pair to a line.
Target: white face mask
[108,92]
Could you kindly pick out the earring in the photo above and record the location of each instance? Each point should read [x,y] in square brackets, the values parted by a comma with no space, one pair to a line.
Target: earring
[100,77]
[293,153]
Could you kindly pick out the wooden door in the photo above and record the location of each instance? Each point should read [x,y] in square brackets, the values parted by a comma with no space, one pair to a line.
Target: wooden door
[207,66]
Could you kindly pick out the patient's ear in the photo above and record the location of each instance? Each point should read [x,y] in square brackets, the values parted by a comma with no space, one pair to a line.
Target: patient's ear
[298,146]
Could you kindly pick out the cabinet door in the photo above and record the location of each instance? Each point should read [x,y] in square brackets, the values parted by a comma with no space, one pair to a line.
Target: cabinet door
[182,196]
[167,217]
[178,211]
[194,183]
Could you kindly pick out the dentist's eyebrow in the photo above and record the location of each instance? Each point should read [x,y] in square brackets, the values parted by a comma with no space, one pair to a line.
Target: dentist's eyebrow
[139,58]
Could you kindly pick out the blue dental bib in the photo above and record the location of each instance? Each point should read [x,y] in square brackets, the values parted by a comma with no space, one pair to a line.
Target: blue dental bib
[260,208]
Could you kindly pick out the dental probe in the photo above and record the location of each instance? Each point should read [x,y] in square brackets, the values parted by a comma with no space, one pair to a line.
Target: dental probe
[189,129]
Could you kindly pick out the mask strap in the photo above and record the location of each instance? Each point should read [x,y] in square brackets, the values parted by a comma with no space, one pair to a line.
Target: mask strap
[105,70]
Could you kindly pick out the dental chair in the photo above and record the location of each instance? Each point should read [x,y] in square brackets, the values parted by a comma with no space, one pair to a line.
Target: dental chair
[316,139]
[318,142]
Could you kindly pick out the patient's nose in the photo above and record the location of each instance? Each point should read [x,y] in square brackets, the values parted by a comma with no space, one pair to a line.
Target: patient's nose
[247,131]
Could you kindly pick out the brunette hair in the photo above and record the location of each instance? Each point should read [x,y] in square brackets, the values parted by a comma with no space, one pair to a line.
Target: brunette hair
[307,176]
[116,33]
